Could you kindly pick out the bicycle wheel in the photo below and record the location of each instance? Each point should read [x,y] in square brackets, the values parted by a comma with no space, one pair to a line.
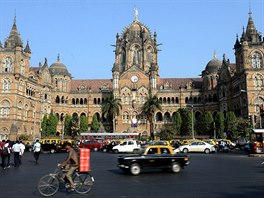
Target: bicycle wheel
[83,182]
[48,185]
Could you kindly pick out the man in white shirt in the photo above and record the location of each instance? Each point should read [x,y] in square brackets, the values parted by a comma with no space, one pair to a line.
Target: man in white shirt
[16,151]
[22,149]
[36,149]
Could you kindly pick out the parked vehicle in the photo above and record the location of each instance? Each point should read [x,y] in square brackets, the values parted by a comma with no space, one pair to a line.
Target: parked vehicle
[109,147]
[127,146]
[155,156]
[48,148]
[197,146]
[91,144]
[29,146]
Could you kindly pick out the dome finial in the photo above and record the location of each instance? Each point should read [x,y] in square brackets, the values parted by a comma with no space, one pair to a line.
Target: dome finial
[250,13]
[58,58]
[136,13]
[214,54]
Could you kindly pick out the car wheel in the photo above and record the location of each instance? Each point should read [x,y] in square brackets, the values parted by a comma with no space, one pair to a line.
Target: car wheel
[115,151]
[135,169]
[52,151]
[176,167]
[185,150]
[135,150]
[95,149]
[207,151]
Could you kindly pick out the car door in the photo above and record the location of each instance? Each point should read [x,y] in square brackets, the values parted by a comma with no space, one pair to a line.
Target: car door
[150,159]
[201,146]
[193,147]
[130,146]
[123,147]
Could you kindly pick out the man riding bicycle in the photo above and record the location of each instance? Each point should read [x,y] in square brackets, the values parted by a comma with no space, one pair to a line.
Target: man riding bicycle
[70,164]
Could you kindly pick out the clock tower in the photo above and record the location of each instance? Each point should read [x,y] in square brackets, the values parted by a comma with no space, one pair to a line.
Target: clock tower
[135,73]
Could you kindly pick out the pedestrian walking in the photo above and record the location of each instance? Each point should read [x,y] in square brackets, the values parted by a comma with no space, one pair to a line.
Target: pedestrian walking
[2,144]
[16,151]
[6,154]
[22,149]
[36,149]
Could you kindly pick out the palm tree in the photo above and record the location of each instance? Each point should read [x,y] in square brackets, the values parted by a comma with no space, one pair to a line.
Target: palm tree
[151,105]
[111,108]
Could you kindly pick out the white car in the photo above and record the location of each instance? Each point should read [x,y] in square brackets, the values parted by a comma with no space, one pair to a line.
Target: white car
[197,146]
[127,146]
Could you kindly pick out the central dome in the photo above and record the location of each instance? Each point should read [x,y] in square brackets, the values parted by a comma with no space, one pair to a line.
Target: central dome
[58,68]
[213,65]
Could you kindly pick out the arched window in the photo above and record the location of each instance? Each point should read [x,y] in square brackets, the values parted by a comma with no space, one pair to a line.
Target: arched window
[5,108]
[158,117]
[125,117]
[167,117]
[256,60]
[7,65]
[20,86]
[6,84]
[258,81]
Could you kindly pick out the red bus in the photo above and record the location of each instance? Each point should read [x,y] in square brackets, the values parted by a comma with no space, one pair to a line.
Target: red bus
[257,140]
[108,136]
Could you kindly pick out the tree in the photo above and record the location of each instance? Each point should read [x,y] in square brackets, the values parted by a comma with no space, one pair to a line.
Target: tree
[230,124]
[186,126]
[67,125]
[95,125]
[111,108]
[243,128]
[74,125]
[83,123]
[44,126]
[177,123]
[207,124]
[151,105]
[52,124]
[219,124]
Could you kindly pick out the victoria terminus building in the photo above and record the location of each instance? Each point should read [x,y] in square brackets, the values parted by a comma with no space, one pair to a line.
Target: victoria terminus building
[28,93]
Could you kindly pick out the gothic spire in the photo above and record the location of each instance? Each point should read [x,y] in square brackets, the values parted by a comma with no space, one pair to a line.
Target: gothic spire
[250,26]
[27,49]
[14,39]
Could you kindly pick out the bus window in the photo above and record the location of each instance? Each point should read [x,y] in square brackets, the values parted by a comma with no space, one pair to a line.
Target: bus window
[257,140]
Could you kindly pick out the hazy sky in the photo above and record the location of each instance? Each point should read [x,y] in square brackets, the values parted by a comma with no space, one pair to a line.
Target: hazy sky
[82,31]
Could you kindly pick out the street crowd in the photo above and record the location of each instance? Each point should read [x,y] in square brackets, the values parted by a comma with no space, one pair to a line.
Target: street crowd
[17,148]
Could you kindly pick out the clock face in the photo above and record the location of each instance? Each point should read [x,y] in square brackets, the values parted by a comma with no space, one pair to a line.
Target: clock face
[134,79]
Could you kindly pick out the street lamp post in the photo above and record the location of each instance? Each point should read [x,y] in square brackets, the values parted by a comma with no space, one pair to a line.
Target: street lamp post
[192,124]
[259,105]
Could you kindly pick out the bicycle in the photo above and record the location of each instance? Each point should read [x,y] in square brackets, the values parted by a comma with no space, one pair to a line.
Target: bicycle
[49,184]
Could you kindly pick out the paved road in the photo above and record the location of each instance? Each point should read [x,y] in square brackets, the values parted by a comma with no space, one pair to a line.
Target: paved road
[214,175]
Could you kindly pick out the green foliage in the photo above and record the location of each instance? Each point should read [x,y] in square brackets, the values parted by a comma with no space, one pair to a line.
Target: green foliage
[186,126]
[67,125]
[44,126]
[95,125]
[177,123]
[52,125]
[111,108]
[230,124]
[49,125]
[206,126]
[24,137]
[83,123]
[151,105]
[243,128]
[219,124]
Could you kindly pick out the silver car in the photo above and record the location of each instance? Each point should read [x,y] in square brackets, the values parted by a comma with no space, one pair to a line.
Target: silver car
[197,146]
